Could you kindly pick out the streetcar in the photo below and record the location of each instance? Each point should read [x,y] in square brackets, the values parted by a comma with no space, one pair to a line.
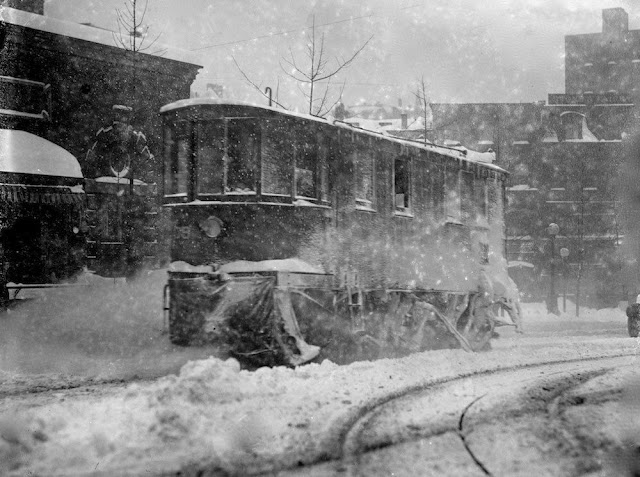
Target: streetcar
[296,238]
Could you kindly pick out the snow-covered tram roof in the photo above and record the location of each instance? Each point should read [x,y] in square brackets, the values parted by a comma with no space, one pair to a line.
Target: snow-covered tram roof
[460,153]
[25,153]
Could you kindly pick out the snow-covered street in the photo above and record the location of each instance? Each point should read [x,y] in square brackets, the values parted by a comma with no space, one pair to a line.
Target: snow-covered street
[211,414]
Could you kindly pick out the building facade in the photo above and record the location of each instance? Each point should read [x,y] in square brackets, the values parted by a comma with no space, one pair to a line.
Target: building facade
[565,156]
[60,81]
[604,62]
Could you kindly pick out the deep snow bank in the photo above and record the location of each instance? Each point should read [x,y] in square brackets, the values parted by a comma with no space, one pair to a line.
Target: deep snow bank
[213,413]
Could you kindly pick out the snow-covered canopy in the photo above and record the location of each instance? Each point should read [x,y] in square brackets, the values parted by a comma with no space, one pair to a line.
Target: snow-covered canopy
[25,153]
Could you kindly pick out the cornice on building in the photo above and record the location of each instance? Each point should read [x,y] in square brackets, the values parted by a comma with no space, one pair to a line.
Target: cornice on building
[87,33]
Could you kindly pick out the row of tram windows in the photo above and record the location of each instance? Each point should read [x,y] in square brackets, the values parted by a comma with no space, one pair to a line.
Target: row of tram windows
[443,189]
[244,156]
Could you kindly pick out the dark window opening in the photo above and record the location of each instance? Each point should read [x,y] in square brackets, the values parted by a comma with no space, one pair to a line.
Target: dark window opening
[467,196]
[21,97]
[364,170]
[305,170]
[480,191]
[210,157]
[242,156]
[437,190]
[402,184]
[228,154]
[277,157]
[452,193]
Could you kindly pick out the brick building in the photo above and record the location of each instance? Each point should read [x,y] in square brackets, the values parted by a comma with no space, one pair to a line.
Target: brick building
[564,156]
[60,81]
[604,62]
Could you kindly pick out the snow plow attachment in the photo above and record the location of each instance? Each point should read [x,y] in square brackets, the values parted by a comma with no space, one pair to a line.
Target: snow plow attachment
[251,316]
[271,318]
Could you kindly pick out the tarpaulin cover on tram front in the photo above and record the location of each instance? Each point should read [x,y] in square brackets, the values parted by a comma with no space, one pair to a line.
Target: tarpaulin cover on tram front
[252,316]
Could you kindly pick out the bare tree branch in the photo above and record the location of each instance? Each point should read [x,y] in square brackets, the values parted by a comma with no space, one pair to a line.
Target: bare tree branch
[317,71]
[257,87]
[346,63]
[337,100]
[132,32]
[421,95]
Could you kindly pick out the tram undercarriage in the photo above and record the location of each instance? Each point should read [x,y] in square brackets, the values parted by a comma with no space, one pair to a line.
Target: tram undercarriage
[287,318]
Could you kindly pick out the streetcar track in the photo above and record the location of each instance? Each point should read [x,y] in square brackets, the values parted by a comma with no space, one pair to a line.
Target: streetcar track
[463,437]
[347,446]
[551,405]
[343,443]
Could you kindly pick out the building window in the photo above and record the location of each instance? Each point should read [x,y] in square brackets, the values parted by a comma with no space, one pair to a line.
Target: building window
[402,184]
[364,163]
[25,98]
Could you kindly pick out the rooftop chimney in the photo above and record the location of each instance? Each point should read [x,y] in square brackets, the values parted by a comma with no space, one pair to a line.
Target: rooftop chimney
[615,21]
[33,6]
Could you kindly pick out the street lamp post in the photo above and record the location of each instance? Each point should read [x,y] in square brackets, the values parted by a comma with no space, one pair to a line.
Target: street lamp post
[552,299]
[564,253]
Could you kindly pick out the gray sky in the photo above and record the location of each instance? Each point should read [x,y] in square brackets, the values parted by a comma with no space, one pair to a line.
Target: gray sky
[467,50]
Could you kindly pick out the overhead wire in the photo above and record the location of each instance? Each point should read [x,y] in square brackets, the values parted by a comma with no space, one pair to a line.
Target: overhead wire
[286,32]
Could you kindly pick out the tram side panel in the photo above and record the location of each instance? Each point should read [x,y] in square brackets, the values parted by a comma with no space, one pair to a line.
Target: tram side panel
[390,243]
[407,219]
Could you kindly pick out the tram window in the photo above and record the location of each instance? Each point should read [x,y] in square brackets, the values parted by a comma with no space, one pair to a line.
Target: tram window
[402,184]
[277,157]
[242,156]
[182,176]
[210,153]
[467,196]
[480,190]
[452,193]
[437,189]
[177,149]
[306,160]
[234,146]
[168,162]
[364,171]
[323,168]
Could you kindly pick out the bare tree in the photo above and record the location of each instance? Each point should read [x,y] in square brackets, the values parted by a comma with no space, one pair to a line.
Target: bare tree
[423,100]
[317,73]
[132,31]
[132,36]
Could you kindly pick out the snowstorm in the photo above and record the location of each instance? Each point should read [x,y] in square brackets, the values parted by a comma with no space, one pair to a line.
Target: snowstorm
[319,237]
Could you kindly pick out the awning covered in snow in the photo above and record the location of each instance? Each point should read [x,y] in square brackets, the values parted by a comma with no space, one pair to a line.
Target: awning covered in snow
[25,153]
[41,194]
